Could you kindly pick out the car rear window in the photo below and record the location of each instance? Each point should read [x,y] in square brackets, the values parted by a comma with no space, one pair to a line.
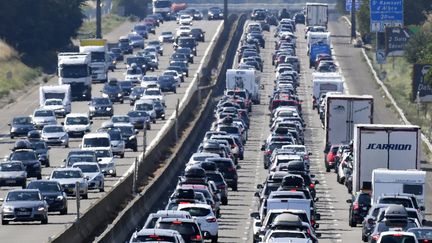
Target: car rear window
[364,199]
[153,238]
[413,189]
[197,212]
[181,227]
[401,201]
[398,238]
[215,177]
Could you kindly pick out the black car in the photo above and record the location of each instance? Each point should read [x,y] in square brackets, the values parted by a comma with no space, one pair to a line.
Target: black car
[215,13]
[136,94]
[129,135]
[100,107]
[272,20]
[198,34]
[113,91]
[184,67]
[186,42]
[283,14]
[228,169]
[167,83]
[159,109]
[299,18]
[186,51]
[52,193]
[118,54]
[124,46]
[30,160]
[126,87]
[20,126]
[141,62]
[360,205]
[257,36]
[140,119]
[42,151]
[179,57]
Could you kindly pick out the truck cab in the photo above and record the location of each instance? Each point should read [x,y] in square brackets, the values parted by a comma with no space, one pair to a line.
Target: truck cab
[98,51]
[74,70]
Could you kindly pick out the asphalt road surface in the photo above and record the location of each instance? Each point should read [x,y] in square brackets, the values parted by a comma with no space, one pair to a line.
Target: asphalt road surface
[33,231]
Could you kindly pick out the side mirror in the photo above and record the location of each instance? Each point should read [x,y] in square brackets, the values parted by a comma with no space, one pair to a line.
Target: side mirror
[349,200]
[316,226]
[262,147]
[256,194]
[99,160]
[259,186]
[317,182]
[316,199]
[47,177]
[255,215]
[91,122]
[62,123]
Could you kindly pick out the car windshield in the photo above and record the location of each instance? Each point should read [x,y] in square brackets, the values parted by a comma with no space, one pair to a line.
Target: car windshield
[74,159]
[49,129]
[112,88]
[229,129]
[39,145]
[167,33]
[74,71]
[140,27]
[44,186]
[23,155]
[22,120]
[96,142]
[137,91]
[401,201]
[98,56]
[397,239]
[152,92]
[422,233]
[23,196]
[10,167]
[126,130]
[44,113]
[137,114]
[197,212]
[53,102]
[101,102]
[115,135]
[144,107]
[88,168]
[79,120]
[65,174]
[181,227]
[134,71]
[103,153]
[125,84]
[117,119]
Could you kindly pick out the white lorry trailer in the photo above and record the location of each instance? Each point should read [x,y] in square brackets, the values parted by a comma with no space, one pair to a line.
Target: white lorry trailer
[244,79]
[73,68]
[342,112]
[317,37]
[98,50]
[326,82]
[391,182]
[53,93]
[316,14]
[395,147]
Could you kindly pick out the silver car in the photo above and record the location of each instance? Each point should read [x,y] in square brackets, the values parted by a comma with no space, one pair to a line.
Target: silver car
[55,135]
[42,117]
[24,205]
[93,173]
[13,173]
[67,177]
[136,41]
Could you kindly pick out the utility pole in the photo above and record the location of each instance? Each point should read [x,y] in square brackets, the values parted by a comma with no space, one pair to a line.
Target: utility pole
[225,13]
[353,20]
[98,19]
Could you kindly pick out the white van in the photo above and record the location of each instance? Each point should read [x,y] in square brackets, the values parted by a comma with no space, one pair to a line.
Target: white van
[96,141]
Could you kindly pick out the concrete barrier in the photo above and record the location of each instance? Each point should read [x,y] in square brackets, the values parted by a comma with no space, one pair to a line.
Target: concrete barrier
[104,211]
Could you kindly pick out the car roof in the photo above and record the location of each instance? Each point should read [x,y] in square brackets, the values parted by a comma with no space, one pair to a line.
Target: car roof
[67,169]
[96,135]
[77,115]
[194,205]
[165,232]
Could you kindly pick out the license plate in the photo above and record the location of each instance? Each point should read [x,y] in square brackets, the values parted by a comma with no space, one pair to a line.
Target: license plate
[10,181]
[23,213]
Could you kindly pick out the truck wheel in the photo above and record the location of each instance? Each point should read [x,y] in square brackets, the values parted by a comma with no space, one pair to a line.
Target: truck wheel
[39,176]
[63,211]
[85,196]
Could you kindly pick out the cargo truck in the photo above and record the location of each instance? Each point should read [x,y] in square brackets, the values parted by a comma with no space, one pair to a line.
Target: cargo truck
[316,14]
[342,112]
[74,70]
[244,79]
[99,61]
[322,83]
[395,147]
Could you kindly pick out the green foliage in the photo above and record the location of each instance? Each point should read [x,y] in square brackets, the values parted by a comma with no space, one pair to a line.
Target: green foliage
[32,26]
[363,17]
[416,46]
[131,7]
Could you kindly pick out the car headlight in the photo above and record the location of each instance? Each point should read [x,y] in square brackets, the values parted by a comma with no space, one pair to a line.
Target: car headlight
[59,198]
[91,108]
[119,95]
[64,137]
[109,108]
[132,137]
[41,208]
[104,95]
[8,209]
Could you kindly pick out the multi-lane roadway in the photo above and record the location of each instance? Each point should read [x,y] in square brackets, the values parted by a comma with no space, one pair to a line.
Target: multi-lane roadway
[33,232]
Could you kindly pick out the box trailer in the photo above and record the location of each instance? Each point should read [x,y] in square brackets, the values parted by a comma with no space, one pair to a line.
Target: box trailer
[316,14]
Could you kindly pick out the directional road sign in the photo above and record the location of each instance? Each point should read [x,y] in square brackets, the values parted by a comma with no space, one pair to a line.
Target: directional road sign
[395,40]
[385,13]
[348,4]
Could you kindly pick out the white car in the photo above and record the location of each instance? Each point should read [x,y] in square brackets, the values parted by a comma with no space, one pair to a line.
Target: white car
[157,235]
[205,217]
[150,81]
[76,124]
[166,37]
[95,141]
[133,73]
[42,117]
[93,174]
[183,30]
[106,162]
[150,50]
[55,105]
[173,73]
[147,106]
[55,135]
[185,19]
[282,236]
[68,177]
[153,94]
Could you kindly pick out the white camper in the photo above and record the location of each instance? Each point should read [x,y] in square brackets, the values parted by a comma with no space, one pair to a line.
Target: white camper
[49,95]
[316,14]
[326,82]
[98,50]
[244,79]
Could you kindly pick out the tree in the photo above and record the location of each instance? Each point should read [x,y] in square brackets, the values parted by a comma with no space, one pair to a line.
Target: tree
[132,7]
[363,16]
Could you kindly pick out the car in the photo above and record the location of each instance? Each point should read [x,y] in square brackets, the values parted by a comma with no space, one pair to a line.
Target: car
[20,126]
[221,185]
[13,173]
[136,41]
[166,36]
[112,62]
[189,42]
[129,135]
[423,234]
[136,94]
[205,217]
[177,77]
[198,34]
[55,135]
[140,119]
[24,205]
[188,228]
[55,105]
[53,194]
[68,178]
[42,151]
[156,235]
[100,107]
[228,169]
[30,160]
[370,219]
[78,158]
[359,207]
[93,174]
[117,54]
[140,61]
[42,117]
[77,124]
[159,108]
[167,83]
[183,30]
[112,91]
[186,51]
[152,218]
[117,143]
[106,162]
[126,87]
[215,13]
[185,19]
[134,73]
[141,30]
[153,61]
[124,46]
[182,65]
[157,45]
[148,106]
[178,70]
[397,236]
[154,94]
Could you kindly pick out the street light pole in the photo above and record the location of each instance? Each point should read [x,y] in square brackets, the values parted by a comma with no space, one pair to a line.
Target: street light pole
[98,19]
[353,20]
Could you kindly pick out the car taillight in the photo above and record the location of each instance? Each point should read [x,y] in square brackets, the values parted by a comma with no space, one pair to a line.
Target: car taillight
[312,222]
[177,222]
[293,190]
[221,186]
[397,234]
[268,152]
[231,169]
[184,202]
[312,185]
[196,237]
[211,219]
[426,241]
[375,237]
[355,206]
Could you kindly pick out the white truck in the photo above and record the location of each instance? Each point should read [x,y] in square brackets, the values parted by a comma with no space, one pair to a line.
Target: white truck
[342,112]
[316,14]
[57,98]
[73,68]
[395,147]
[391,182]
[316,37]
[98,50]
[244,79]
[326,82]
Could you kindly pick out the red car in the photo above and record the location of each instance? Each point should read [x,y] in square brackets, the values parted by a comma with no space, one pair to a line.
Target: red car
[330,157]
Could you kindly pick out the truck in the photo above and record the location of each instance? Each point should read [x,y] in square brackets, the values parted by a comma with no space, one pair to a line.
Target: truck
[244,79]
[99,60]
[393,182]
[316,14]
[55,93]
[163,7]
[325,82]
[395,147]
[317,37]
[342,112]
[73,68]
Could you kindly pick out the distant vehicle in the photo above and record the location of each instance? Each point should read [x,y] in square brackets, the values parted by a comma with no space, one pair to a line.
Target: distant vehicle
[13,173]
[215,13]
[167,84]
[67,177]
[100,107]
[77,124]
[42,151]
[166,37]
[359,207]
[113,91]
[19,206]
[123,44]
[42,117]
[136,41]
[30,160]
[55,135]
[53,194]
[20,126]
[140,30]
[93,174]
[198,34]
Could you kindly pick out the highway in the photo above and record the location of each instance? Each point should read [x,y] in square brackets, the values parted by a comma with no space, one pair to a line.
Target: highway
[26,104]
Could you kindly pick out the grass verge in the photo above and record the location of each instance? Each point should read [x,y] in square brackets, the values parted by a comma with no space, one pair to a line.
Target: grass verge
[109,22]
